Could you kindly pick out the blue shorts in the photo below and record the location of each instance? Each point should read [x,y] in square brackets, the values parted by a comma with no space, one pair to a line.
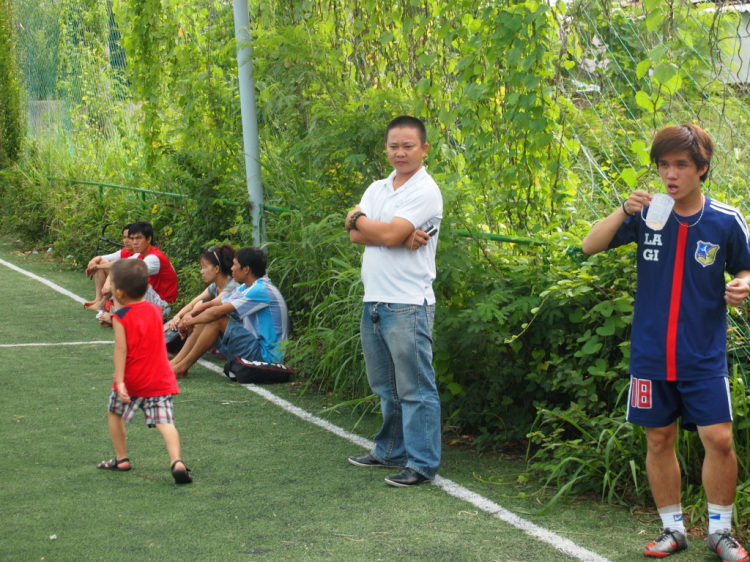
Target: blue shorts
[658,403]
[238,342]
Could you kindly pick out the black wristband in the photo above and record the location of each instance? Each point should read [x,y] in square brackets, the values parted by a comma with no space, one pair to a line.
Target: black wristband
[624,210]
[355,217]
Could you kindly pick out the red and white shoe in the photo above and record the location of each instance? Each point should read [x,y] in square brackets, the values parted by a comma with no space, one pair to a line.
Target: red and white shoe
[665,544]
[727,547]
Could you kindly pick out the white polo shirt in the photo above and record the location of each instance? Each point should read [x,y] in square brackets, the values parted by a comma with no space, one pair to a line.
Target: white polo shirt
[397,274]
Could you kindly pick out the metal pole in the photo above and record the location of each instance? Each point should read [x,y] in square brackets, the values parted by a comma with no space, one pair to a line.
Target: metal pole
[249,119]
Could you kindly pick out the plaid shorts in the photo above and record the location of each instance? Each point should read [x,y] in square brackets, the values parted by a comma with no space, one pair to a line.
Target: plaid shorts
[157,409]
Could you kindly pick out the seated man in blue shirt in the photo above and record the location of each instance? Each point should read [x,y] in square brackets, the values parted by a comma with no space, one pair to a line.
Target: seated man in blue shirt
[248,322]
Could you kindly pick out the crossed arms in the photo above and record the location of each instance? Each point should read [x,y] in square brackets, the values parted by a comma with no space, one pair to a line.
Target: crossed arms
[398,232]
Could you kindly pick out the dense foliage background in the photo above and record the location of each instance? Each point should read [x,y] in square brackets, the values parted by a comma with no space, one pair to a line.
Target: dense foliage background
[539,120]
[11,108]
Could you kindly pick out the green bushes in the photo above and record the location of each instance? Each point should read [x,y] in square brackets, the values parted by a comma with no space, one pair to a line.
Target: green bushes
[319,271]
[603,454]
[12,130]
[522,332]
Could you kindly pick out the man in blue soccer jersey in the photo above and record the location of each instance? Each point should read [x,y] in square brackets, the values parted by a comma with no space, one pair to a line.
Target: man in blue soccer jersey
[248,322]
[678,362]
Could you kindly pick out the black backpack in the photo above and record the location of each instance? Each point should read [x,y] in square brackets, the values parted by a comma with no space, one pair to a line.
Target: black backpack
[174,341]
[256,372]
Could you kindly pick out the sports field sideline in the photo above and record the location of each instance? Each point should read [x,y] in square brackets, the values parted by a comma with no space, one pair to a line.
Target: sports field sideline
[271,478]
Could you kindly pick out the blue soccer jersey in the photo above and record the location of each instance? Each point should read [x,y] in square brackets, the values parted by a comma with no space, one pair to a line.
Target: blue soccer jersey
[680,320]
[263,313]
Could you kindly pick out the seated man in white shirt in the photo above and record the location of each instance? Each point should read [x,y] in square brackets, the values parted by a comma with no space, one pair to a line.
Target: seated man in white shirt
[99,267]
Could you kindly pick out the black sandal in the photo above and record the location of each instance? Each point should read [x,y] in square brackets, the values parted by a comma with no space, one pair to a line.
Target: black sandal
[181,476]
[113,464]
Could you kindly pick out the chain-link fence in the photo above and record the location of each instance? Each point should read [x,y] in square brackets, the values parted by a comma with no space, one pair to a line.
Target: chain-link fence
[72,63]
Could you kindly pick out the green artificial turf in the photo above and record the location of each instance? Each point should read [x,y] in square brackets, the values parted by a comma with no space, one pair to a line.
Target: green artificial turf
[268,485]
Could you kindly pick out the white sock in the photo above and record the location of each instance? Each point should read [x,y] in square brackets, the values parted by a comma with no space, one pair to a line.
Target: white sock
[719,518]
[671,517]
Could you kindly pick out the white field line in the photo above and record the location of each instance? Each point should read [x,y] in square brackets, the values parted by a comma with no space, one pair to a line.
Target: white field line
[299,412]
[57,288]
[51,344]
[456,490]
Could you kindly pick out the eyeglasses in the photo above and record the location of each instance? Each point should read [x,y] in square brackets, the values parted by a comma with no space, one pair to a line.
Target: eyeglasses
[212,249]
[374,316]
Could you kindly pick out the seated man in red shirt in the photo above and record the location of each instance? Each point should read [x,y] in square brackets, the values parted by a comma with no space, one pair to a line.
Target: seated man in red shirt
[162,278]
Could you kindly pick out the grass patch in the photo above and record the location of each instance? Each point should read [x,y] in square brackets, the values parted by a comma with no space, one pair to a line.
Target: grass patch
[268,486]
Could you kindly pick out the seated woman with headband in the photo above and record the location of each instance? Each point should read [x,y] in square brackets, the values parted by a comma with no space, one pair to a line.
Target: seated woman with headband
[216,269]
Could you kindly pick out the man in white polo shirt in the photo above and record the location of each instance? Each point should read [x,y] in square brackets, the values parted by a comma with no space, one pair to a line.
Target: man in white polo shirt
[397,221]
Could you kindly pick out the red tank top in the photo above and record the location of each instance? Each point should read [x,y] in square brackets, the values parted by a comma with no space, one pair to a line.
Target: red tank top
[147,369]
[164,282]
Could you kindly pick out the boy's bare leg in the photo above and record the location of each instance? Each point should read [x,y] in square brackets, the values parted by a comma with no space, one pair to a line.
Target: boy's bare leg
[117,432]
[189,343]
[172,440]
[205,341]
[100,278]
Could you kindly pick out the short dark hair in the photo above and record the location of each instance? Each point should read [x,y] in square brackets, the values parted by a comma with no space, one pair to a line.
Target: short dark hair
[126,227]
[144,228]
[130,276]
[407,121]
[689,138]
[223,256]
[254,258]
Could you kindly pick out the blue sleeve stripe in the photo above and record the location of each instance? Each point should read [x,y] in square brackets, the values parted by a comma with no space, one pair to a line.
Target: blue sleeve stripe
[121,312]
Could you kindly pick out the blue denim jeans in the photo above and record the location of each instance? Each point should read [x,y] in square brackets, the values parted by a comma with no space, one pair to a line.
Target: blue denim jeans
[398,356]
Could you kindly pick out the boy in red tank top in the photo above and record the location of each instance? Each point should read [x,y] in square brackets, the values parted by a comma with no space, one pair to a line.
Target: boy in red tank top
[143,376]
